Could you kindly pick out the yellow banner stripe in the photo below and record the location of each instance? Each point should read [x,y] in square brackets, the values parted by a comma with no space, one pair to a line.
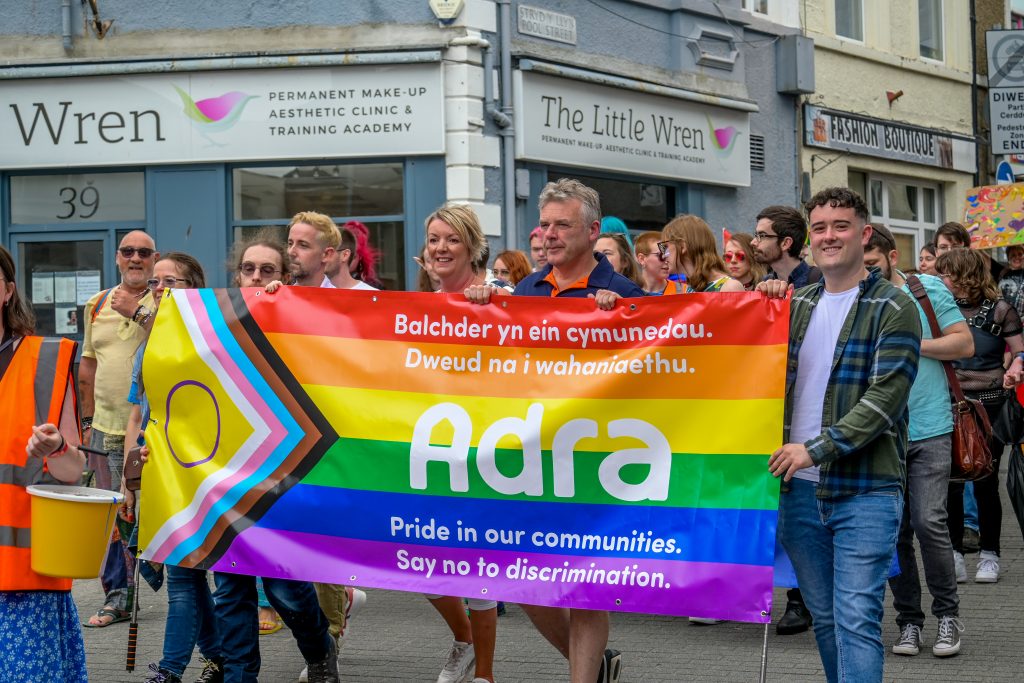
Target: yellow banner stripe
[690,426]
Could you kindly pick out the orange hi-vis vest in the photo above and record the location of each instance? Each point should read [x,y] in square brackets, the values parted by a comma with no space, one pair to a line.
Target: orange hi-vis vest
[32,391]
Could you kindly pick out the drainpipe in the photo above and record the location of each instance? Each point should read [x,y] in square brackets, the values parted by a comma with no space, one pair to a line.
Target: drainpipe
[508,157]
[974,95]
[490,106]
[65,22]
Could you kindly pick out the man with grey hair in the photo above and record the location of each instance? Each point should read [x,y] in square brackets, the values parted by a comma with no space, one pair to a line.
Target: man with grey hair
[570,218]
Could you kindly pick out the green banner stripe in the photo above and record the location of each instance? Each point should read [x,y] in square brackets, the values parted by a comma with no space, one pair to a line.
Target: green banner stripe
[696,480]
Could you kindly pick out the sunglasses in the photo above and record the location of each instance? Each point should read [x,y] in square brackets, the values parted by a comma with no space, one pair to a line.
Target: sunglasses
[266,269]
[143,252]
[737,256]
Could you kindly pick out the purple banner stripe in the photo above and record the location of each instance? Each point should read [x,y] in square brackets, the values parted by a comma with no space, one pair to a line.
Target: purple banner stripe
[698,589]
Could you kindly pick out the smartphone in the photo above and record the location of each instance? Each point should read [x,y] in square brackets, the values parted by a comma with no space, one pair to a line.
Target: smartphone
[133,469]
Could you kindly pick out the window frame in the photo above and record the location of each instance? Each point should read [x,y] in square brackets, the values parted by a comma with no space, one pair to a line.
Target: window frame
[835,20]
[940,8]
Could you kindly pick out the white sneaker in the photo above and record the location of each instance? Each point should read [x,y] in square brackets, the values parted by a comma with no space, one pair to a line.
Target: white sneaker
[304,675]
[461,658]
[988,567]
[947,643]
[960,567]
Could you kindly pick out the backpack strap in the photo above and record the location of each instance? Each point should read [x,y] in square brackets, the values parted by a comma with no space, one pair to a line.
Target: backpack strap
[99,304]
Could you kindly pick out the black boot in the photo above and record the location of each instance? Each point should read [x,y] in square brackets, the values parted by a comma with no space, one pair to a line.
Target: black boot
[796,619]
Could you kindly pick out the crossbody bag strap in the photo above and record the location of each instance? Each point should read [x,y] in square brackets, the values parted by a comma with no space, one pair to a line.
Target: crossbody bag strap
[917,289]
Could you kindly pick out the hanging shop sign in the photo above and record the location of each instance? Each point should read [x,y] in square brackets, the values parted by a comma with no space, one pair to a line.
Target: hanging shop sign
[287,113]
[887,140]
[577,123]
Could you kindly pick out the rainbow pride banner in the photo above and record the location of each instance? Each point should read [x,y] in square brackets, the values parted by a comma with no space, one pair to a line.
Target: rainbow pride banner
[530,450]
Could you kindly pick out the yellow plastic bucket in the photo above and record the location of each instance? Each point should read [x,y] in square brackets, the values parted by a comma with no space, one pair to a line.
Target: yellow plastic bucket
[71,527]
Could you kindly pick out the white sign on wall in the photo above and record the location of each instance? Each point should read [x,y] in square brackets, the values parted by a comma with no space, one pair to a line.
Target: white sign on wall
[1006,90]
[288,113]
[573,123]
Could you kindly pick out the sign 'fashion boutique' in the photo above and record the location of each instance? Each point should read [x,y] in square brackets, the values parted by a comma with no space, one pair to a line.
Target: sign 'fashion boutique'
[576,123]
[351,111]
[888,140]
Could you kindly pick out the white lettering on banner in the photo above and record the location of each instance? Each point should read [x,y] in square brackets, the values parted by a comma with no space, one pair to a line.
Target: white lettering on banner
[656,454]
[585,124]
[348,111]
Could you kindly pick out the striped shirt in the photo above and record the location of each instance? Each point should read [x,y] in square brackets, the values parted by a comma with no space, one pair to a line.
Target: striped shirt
[863,442]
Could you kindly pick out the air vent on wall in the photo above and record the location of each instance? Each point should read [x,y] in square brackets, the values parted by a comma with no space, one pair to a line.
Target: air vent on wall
[757,152]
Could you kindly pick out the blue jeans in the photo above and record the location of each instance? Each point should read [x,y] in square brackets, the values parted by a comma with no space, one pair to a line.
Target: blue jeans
[842,550]
[970,506]
[235,606]
[190,619]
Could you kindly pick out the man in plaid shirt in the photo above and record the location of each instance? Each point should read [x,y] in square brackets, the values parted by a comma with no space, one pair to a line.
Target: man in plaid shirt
[854,345]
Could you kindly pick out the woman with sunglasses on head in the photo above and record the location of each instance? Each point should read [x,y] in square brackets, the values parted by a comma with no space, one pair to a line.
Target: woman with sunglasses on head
[694,264]
[995,325]
[740,263]
[40,637]
[616,249]
[190,617]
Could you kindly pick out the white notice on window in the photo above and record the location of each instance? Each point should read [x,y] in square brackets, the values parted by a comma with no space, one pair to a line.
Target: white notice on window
[66,320]
[64,288]
[88,284]
[42,288]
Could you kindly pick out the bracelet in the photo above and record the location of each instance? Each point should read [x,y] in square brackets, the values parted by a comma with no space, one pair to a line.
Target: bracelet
[86,423]
[1021,355]
[141,311]
[62,449]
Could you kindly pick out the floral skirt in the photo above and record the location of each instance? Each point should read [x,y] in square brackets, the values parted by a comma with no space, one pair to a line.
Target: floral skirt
[40,638]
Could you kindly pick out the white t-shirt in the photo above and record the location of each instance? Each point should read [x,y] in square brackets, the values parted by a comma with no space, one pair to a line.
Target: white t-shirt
[814,367]
[327,284]
[362,285]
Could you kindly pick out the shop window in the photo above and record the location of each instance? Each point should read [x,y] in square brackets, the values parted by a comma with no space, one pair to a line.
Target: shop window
[929,20]
[266,197]
[58,277]
[268,193]
[641,206]
[909,208]
[850,19]
[78,198]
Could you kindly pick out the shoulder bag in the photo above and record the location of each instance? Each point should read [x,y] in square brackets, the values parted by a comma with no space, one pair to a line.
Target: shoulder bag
[971,457]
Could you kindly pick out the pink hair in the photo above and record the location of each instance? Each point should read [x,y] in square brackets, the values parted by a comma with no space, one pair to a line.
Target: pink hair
[366,269]
[537,232]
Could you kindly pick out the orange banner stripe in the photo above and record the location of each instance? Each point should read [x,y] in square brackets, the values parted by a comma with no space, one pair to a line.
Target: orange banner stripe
[385,365]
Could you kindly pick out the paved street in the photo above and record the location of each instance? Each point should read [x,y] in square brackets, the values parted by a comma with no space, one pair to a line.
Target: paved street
[398,637]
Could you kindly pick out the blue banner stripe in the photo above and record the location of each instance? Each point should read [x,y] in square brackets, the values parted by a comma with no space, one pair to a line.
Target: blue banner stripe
[690,534]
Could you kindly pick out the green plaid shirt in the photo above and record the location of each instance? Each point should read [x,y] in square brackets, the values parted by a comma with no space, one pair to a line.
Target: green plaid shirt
[863,444]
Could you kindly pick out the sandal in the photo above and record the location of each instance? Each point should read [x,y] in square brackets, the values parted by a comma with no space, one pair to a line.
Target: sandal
[268,627]
[115,616]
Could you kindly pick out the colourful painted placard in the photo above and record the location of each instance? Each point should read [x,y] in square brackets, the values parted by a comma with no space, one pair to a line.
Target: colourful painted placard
[530,450]
[994,215]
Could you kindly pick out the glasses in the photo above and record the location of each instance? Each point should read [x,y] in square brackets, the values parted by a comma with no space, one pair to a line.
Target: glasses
[167,282]
[143,252]
[663,247]
[266,269]
[764,236]
[737,256]
[501,272]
